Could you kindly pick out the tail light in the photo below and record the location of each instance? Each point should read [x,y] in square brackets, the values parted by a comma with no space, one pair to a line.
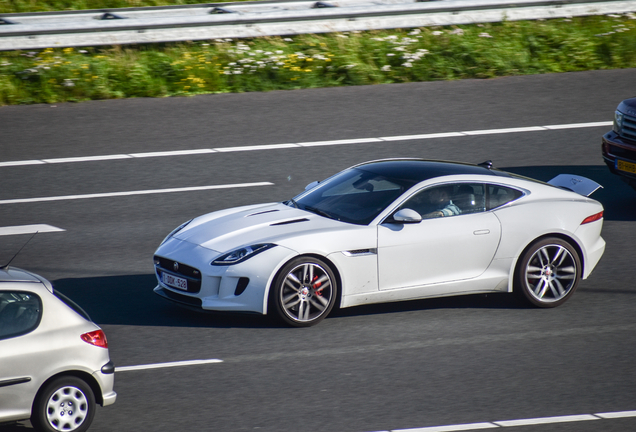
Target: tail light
[97,338]
[592,218]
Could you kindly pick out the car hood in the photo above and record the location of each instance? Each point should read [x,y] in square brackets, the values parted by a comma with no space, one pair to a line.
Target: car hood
[267,223]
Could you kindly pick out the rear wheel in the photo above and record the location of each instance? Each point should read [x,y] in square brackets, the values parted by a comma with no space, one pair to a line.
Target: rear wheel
[548,272]
[65,404]
[304,292]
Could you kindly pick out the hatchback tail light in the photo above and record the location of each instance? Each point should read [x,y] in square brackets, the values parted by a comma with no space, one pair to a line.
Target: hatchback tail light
[97,338]
[592,218]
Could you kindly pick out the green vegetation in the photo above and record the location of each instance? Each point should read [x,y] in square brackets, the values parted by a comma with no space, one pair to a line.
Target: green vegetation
[15,6]
[392,56]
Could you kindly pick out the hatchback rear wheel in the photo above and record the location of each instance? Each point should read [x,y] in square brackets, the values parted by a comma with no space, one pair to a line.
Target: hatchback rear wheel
[65,404]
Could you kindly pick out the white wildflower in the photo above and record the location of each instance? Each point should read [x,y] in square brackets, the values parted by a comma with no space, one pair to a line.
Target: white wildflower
[386,68]
[458,31]
[437,33]
[407,64]
[415,32]
[484,35]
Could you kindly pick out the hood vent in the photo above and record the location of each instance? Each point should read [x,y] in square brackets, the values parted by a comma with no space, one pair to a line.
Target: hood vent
[263,212]
[290,222]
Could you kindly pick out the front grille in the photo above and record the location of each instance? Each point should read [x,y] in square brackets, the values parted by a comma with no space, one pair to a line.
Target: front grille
[629,127]
[622,153]
[193,276]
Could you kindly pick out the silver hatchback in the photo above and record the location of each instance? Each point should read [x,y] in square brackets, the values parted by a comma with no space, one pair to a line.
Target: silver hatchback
[54,361]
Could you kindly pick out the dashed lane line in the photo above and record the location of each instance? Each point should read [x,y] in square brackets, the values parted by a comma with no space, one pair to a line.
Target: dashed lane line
[131,193]
[302,144]
[28,229]
[520,422]
[166,365]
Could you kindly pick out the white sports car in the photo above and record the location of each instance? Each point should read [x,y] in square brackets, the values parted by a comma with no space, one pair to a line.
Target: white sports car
[388,230]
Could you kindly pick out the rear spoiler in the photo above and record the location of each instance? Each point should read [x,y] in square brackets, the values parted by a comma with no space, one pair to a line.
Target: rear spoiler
[581,185]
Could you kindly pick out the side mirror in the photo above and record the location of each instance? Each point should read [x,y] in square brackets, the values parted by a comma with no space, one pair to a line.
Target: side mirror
[407,215]
[312,185]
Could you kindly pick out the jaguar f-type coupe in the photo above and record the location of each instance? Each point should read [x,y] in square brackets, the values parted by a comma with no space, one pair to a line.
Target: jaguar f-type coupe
[384,231]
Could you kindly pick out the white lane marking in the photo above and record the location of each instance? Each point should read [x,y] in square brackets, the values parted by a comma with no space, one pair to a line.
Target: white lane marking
[255,147]
[166,365]
[305,144]
[172,153]
[21,163]
[546,420]
[130,193]
[86,158]
[451,428]
[520,422]
[28,229]
[339,142]
[618,414]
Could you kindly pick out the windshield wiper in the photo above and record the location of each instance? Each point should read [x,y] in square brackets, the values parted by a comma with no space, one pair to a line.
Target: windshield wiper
[319,212]
[292,202]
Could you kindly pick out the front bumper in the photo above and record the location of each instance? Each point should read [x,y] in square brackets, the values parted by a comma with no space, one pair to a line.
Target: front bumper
[616,149]
[242,287]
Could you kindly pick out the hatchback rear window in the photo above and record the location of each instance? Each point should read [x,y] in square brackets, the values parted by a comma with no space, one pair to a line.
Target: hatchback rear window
[20,313]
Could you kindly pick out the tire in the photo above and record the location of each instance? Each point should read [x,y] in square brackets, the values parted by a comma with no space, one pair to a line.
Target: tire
[65,404]
[304,292]
[548,272]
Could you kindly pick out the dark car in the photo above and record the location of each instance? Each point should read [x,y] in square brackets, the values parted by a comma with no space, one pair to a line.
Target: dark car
[619,144]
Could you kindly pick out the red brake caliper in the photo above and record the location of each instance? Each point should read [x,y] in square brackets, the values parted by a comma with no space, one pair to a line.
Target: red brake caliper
[316,286]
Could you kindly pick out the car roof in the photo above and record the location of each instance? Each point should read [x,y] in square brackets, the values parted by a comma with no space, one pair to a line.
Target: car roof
[9,275]
[417,170]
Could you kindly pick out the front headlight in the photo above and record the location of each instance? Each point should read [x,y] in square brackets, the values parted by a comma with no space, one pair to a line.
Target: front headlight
[176,230]
[618,122]
[239,255]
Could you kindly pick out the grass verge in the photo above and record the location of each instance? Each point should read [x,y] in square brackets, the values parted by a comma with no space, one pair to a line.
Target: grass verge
[305,61]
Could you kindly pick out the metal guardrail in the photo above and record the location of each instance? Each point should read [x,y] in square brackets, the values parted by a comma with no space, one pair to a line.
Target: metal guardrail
[270,18]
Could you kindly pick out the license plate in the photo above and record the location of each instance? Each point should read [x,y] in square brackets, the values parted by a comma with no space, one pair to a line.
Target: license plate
[175,282]
[629,167]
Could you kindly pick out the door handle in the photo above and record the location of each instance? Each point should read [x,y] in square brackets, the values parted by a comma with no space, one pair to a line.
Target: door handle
[481,232]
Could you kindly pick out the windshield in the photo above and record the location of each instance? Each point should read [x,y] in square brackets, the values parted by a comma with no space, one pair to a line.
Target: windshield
[355,196]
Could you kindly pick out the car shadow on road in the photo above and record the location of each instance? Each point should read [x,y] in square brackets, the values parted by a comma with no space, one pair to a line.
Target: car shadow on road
[618,198]
[472,301]
[129,300]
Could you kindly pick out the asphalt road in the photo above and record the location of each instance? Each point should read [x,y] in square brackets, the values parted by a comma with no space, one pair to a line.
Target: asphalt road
[460,360]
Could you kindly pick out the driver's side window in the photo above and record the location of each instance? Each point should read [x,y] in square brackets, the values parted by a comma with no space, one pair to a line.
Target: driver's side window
[448,200]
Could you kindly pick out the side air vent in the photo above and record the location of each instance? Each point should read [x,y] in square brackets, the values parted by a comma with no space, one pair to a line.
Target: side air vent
[290,222]
[241,285]
[360,252]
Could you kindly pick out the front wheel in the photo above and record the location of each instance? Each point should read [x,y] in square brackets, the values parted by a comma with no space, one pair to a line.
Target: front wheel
[65,404]
[304,292]
[548,272]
